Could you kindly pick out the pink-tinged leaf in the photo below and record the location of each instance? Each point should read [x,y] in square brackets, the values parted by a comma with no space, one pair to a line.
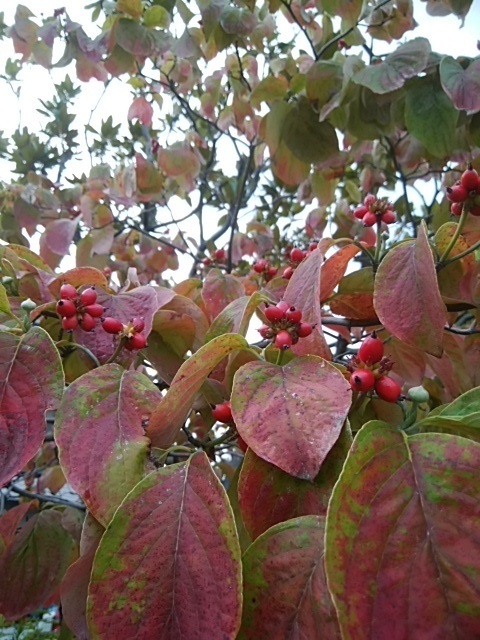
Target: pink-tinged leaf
[141,110]
[78,277]
[10,522]
[74,587]
[183,305]
[402,546]
[170,414]
[267,495]
[450,369]
[285,590]
[333,270]
[169,564]
[291,416]
[408,363]
[59,235]
[406,297]
[236,317]
[461,85]
[219,290]
[34,564]
[178,161]
[98,429]
[303,291]
[31,383]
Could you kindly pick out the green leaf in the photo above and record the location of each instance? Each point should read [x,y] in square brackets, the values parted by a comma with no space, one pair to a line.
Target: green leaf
[349,10]
[306,137]
[4,303]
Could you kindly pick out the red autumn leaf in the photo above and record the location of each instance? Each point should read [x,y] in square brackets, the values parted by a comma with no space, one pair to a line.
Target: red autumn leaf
[333,270]
[406,297]
[303,291]
[107,407]
[141,110]
[402,547]
[31,383]
[10,521]
[285,590]
[219,290]
[170,414]
[33,566]
[267,495]
[78,277]
[168,565]
[291,416]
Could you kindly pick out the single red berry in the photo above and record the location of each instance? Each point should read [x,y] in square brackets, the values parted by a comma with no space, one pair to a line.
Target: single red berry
[260,266]
[112,325]
[70,323]
[283,306]
[138,325]
[457,193]
[272,271]
[469,179]
[387,389]
[220,255]
[371,350]
[265,331]
[66,308]
[369,219]
[68,292]
[274,314]
[369,200]
[312,246]
[88,297]
[242,444]
[388,217]
[293,315]
[96,310]
[456,208]
[206,262]
[222,413]
[304,330]
[136,342]
[87,322]
[362,380]
[360,211]
[283,340]
[296,255]
[288,273]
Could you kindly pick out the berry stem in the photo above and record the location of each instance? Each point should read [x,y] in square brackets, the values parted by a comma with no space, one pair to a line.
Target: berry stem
[75,345]
[279,357]
[453,241]
[459,256]
[117,351]
[378,245]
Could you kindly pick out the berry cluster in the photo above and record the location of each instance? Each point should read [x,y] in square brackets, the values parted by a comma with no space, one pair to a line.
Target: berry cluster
[78,309]
[369,371]
[285,325]
[218,257]
[375,210]
[265,269]
[465,193]
[132,332]
[296,256]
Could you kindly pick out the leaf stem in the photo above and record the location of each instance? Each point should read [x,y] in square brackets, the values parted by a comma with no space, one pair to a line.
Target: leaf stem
[461,255]
[453,241]
[75,345]
[117,351]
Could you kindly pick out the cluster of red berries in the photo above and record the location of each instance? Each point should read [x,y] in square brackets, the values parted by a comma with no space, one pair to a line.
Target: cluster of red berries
[265,269]
[375,210]
[465,193]
[369,371]
[78,309]
[296,256]
[132,331]
[218,257]
[285,325]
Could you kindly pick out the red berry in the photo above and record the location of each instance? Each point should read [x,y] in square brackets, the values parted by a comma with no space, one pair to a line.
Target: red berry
[296,255]
[274,314]
[220,255]
[312,246]
[283,306]
[112,325]
[222,413]
[68,292]
[70,323]
[456,208]
[88,297]
[371,350]
[265,331]
[457,193]
[272,271]
[369,219]
[360,211]
[260,266]
[283,340]
[138,325]
[66,308]
[137,341]
[388,217]
[304,330]
[96,310]
[469,179]
[87,322]
[206,262]
[369,200]
[242,444]
[387,389]
[288,273]
[362,380]
[294,315]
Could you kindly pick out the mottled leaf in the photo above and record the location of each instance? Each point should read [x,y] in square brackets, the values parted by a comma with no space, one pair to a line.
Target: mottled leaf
[235,318]
[461,85]
[100,436]
[407,299]
[285,591]
[291,416]
[168,565]
[219,290]
[31,382]
[402,548]
[33,566]
[172,411]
